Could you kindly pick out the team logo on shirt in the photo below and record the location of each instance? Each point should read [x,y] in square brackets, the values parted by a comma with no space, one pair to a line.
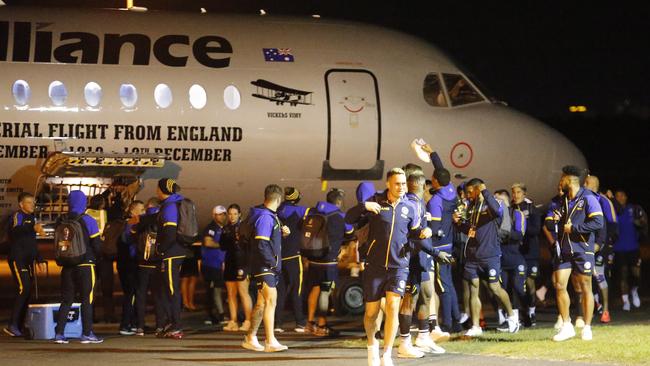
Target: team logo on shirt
[581,203]
[240,272]
[534,269]
[401,284]
[405,210]
[211,232]
[493,272]
[588,265]
[521,268]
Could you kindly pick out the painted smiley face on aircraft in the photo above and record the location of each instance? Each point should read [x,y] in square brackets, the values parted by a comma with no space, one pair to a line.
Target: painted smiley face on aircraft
[354,104]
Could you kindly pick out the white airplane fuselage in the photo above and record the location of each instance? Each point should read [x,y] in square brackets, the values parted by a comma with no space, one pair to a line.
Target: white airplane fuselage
[358,93]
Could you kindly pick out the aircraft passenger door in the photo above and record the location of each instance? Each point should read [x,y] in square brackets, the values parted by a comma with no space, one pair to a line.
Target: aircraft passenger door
[354,126]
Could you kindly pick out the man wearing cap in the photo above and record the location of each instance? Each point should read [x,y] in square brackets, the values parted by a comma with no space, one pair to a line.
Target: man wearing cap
[172,252]
[212,257]
[291,279]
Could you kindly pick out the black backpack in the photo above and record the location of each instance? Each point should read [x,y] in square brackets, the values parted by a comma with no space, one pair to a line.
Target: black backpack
[187,231]
[69,241]
[246,231]
[314,236]
[146,244]
[112,235]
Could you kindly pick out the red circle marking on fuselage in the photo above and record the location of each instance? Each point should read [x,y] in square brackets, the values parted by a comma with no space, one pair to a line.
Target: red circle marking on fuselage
[453,149]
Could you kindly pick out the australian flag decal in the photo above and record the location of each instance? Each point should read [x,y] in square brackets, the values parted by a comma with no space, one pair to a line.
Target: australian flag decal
[277,54]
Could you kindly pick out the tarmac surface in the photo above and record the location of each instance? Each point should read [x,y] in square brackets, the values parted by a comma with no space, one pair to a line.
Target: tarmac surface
[204,345]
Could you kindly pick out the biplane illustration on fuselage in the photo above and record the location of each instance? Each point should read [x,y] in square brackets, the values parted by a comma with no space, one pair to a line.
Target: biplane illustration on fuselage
[280,94]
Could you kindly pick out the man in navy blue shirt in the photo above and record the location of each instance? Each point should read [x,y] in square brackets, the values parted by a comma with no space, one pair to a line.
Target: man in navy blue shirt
[323,272]
[605,239]
[23,253]
[440,210]
[80,277]
[172,252]
[632,225]
[483,252]
[266,266]
[392,222]
[212,258]
[290,214]
[578,220]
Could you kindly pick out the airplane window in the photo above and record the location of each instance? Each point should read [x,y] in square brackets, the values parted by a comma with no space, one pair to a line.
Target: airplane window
[57,93]
[460,90]
[163,95]
[128,95]
[432,90]
[198,97]
[231,97]
[93,94]
[21,92]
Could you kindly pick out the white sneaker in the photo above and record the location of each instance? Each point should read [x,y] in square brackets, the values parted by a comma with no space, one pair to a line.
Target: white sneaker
[626,306]
[502,316]
[373,355]
[438,336]
[406,349]
[278,330]
[559,323]
[636,301]
[252,344]
[513,324]
[586,333]
[231,327]
[565,333]
[474,332]
[580,323]
[275,347]
[386,360]
[463,318]
[426,344]
[245,326]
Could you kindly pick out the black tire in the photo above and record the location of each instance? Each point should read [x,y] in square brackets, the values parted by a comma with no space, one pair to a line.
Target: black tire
[350,297]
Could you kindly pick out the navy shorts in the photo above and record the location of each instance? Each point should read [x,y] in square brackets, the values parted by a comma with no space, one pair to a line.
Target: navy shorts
[232,272]
[581,262]
[270,278]
[378,280]
[212,275]
[532,268]
[489,269]
[323,275]
[415,278]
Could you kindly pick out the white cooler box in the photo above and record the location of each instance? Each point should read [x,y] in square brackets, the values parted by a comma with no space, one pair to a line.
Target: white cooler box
[41,320]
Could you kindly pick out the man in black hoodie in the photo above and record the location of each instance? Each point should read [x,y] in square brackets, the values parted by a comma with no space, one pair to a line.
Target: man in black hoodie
[172,252]
[81,275]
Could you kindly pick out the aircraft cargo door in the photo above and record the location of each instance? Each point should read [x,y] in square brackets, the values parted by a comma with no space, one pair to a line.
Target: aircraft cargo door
[354,126]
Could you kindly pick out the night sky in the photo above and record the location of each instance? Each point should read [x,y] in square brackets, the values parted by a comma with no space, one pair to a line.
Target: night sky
[539,57]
